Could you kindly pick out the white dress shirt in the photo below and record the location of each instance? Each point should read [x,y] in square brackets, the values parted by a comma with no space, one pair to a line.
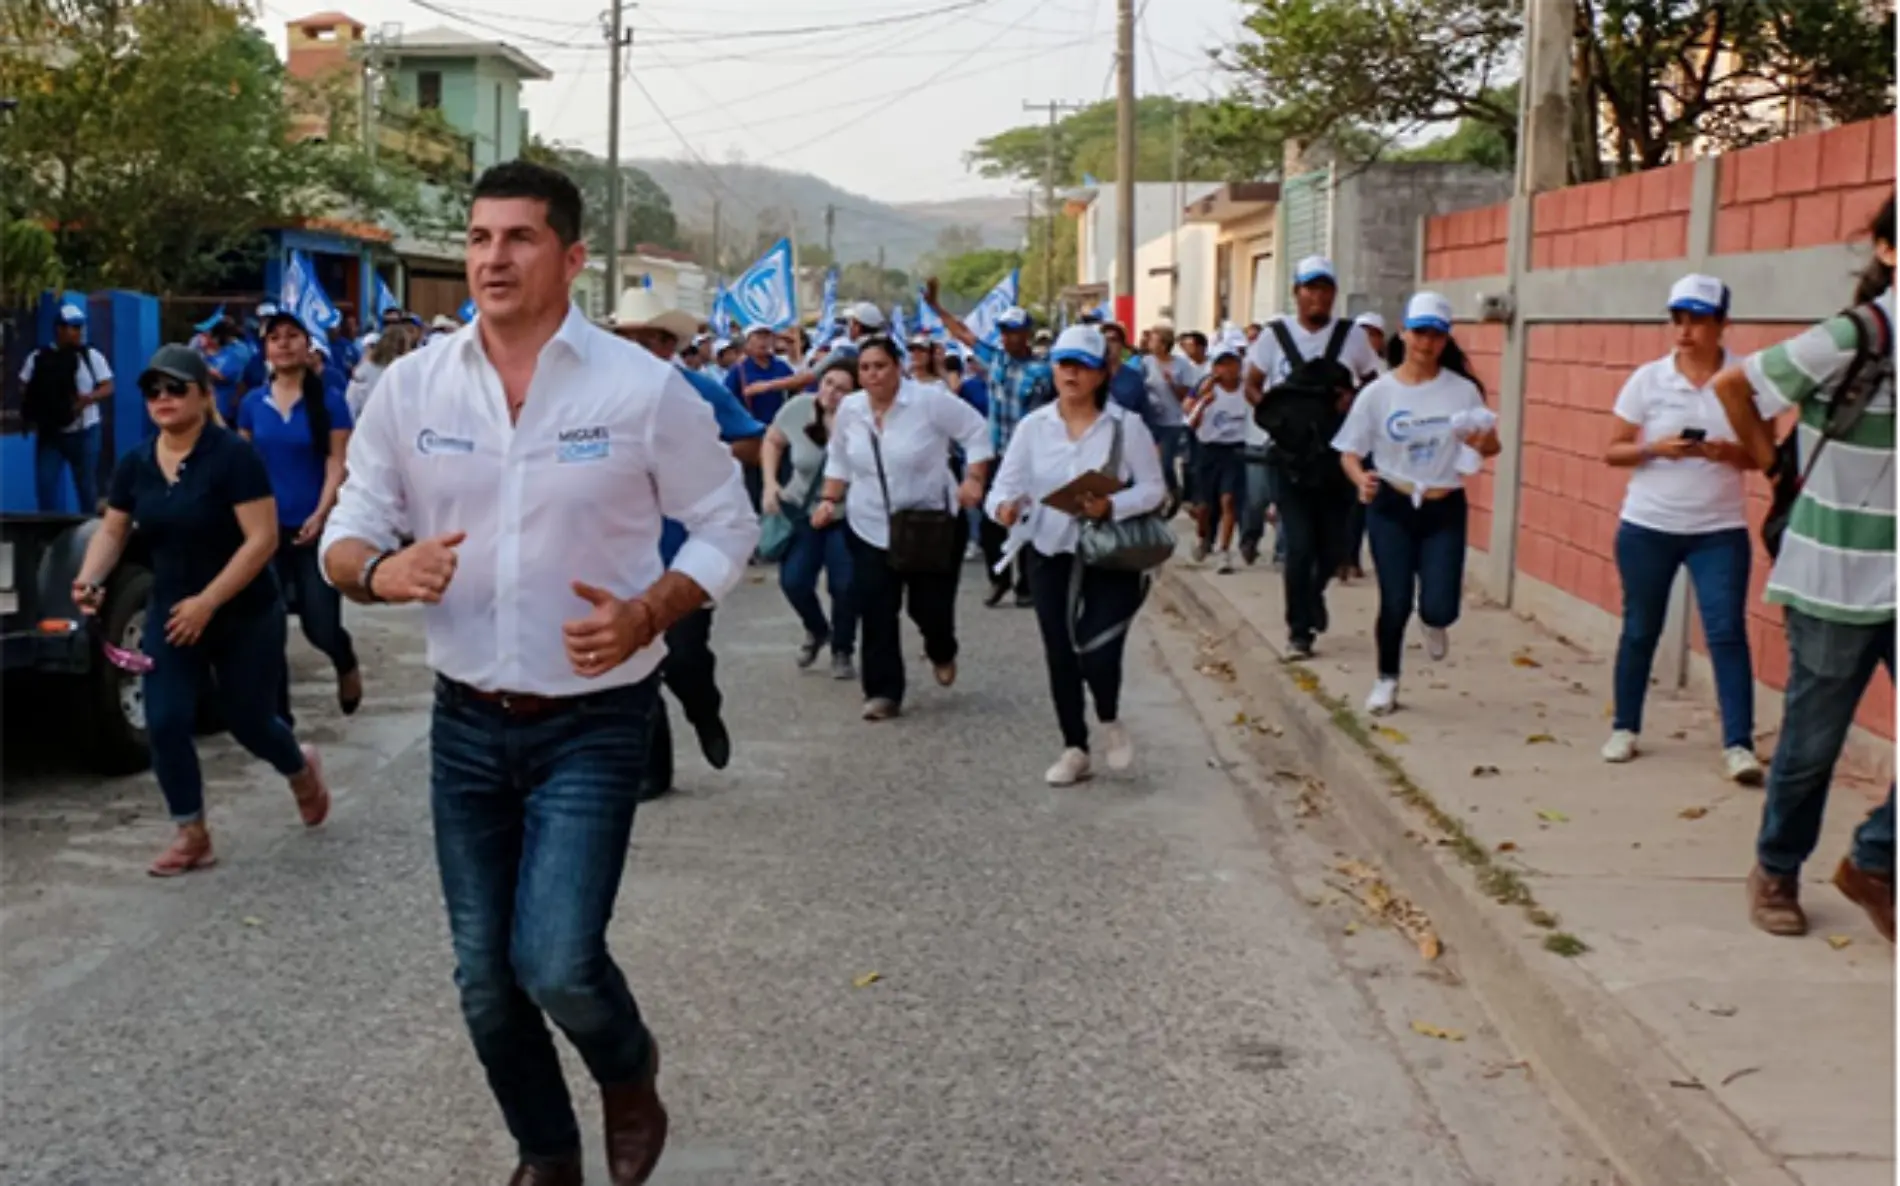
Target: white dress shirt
[610,441]
[919,428]
[1042,459]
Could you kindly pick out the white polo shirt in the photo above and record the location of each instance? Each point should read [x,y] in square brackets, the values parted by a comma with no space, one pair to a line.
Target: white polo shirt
[1688,495]
[611,440]
[919,428]
[1414,431]
[1042,459]
[93,370]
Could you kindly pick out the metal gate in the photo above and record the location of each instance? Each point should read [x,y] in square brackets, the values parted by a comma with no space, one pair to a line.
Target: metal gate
[1304,199]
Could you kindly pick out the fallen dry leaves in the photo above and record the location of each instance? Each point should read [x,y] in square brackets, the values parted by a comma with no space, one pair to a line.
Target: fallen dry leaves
[1436,1031]
[1370,891]
[1692,813]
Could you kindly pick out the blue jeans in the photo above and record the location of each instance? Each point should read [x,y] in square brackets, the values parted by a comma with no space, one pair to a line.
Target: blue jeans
[245,651]
[78,451]
[1173,441]
[1718,563]
[1419,553]
[828,551]
[319,609]
[1262,492]
[1829,667]
[532,820]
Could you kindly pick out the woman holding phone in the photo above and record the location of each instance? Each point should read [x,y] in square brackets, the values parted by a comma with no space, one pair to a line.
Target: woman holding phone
[1686,507]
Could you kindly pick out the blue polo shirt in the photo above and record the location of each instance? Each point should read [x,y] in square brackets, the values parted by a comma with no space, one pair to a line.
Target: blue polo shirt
[1128,386]
[290,457]
[735,424]
[192,524]
[230,362]
[761,407]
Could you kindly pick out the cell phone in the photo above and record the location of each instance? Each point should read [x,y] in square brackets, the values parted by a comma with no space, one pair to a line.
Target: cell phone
[1695,434]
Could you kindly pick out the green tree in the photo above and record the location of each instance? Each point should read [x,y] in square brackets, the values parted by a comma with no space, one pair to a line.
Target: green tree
[974,273]
[1219,141]
[29,262]
[647,210]
[1473,142]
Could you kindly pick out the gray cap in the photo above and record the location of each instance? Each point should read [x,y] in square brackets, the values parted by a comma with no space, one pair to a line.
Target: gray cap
[174,361]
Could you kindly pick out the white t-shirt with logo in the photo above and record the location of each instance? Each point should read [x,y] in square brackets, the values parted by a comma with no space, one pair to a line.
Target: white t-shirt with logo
[1689,495]
[93,370]
[1225,419]
[1265,356]
[1412,431]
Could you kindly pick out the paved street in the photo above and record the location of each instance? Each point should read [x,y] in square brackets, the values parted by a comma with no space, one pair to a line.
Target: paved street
[1143,980]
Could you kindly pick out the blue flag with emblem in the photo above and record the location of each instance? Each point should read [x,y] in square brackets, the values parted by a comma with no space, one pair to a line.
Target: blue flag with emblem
[721,318]
[385,299]
[765,294]
[899,331]
[998,301]
[217,315]
[927,319]
[466,313]
[828,315]
[303,295]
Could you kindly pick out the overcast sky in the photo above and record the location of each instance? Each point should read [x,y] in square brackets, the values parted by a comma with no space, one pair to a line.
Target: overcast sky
[880,100]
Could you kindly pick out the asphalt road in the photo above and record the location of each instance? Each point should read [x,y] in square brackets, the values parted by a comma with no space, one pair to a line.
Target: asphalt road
[1142,980]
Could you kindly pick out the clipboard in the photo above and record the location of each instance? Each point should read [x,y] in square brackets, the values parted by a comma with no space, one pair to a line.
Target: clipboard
[1068,498]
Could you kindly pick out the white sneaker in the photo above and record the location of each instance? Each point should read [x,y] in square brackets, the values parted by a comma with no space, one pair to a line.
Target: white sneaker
[1072,767]
[1437,642]
[1740,765]
[1226,562]
[1200,550]
[1118,749]
[1384,698]
[1621,747]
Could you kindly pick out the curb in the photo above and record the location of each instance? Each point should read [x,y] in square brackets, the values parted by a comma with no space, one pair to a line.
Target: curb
[1598,1062]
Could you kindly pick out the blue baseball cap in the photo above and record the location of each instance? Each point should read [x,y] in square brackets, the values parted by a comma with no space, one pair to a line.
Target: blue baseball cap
[1696,293]
[1080,343]
[1428,310]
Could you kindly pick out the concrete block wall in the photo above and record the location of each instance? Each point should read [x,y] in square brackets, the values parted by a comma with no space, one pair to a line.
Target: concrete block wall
[1376,227]
[1593,264]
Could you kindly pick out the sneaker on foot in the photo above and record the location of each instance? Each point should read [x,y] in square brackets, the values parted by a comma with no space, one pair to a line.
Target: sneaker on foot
[880,709]
[1774,903]
[841,666]
[1200,550]
[1118,749]
[1025,599]
[1740,765]
[1869,891]
[1299,649]
[1384,698]
[1250,554]
[808,651]
[1072,767]
[996,595]
[1437,642]
[1226,563]
[1621,747]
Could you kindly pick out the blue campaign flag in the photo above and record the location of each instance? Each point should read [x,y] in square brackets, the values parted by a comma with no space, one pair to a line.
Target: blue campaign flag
[721,319]
[1088,179]
[828,315]
[303,295]
[998,301]
[766,294]
[385,299]
[217,315]
[899,331]
[927,319]
[466,313]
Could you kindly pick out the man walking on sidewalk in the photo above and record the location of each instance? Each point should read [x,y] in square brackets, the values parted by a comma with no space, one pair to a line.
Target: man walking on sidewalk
[547,452]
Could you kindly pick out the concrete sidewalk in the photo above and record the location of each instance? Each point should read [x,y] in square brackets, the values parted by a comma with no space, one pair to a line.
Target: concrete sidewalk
[1694,1048]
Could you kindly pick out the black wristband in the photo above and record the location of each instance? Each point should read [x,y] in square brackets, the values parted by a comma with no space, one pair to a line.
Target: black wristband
[369,576]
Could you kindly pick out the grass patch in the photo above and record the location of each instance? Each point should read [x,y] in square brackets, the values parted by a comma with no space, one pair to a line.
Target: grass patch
[1542,918]
[1565,944]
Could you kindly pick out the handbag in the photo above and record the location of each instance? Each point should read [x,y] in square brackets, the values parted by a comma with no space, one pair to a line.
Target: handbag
[775,536]
[1139,543]
[922,541]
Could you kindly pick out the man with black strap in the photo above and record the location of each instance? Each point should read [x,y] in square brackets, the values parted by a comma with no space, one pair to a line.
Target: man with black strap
[1310,352]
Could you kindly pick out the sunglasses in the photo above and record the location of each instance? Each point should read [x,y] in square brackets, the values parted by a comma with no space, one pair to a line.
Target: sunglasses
[173,387]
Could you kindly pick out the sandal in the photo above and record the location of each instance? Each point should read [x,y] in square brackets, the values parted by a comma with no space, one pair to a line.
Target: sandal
[186,853]
[312,805]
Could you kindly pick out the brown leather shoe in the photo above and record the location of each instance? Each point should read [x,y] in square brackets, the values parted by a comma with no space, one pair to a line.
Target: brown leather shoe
[635,1122]
[1774,903]
[1870,892]
[563,1173]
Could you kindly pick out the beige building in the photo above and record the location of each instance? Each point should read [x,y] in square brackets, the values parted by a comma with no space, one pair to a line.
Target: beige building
[1242,282]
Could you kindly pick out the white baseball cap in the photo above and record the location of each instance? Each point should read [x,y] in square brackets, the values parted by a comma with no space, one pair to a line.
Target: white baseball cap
[867,315]
[1372,321]
[1428,310]
[1013,318]
[1313,268]
[1080,343]
[1696,293]
[72,315]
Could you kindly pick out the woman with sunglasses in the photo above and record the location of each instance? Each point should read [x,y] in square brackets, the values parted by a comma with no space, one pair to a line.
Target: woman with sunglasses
[1423,420]
[1054,445]
[301,429]
[890,449]
[202,500]
[801,430]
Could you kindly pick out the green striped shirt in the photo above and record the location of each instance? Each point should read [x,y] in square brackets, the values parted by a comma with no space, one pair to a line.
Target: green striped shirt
[1837,558]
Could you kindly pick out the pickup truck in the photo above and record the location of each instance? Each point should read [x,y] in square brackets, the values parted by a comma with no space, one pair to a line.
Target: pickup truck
[42,632]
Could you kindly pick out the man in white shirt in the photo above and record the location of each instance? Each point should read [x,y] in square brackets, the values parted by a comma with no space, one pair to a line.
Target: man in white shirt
[1315,501]
[546,452]
[1170,380]
[62,411]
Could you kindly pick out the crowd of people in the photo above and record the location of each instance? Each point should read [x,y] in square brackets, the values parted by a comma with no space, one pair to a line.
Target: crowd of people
[294,468]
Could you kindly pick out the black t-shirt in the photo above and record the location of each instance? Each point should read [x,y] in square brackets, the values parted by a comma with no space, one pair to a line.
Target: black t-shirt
[191,524]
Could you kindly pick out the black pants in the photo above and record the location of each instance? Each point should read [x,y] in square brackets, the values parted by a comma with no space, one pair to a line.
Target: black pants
[689,672]
[1108,598]
[319,610]
[991,536]
[1315,520]
[929,597]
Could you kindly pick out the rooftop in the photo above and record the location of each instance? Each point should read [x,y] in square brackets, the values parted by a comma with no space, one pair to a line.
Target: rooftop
[453,43]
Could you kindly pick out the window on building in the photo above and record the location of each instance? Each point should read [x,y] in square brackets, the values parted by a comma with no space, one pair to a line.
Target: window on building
[429,90]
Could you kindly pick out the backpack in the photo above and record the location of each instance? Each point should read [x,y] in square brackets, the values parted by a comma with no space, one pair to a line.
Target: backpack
[51,401]
[1858,386]
[1301,412]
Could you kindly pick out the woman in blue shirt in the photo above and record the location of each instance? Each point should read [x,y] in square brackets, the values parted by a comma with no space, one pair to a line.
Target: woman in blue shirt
[301,428]
[203,503]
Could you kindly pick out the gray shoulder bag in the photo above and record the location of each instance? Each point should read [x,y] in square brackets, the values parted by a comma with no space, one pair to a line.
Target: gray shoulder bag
[1140,543]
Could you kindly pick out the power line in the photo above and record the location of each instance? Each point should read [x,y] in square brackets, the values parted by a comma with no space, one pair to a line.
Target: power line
[698,36]
[526,38]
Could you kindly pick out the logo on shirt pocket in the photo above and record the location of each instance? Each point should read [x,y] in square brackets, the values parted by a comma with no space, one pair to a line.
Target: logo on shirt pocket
[430,443]
[584,444]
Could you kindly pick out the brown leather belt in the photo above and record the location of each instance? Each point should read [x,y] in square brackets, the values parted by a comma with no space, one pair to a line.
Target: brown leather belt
[520,705]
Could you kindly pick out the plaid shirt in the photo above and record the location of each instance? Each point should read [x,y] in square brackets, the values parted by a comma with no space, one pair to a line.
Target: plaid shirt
[1018,386]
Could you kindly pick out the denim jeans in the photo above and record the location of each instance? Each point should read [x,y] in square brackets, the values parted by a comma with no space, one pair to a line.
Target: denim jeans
[882,592]
[532,821]
[1313,520]
[1718,563]
[77,451]
[828,551]
[1108,597]
[1419,554]
[245,653]
[319,609]
[1173,442]
[1262,492]
[1829,667]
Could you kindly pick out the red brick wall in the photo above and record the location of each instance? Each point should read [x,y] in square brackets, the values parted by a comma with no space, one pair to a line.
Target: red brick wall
[1468,243]
[1640,217]
[1483,344]
[1805,192]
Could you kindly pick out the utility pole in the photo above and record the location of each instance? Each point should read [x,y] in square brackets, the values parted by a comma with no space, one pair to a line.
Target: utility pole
[717,259]
[831,224]
[1054,108]
[617,39]
[1125,155]
[1174,239]
[1543,135]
